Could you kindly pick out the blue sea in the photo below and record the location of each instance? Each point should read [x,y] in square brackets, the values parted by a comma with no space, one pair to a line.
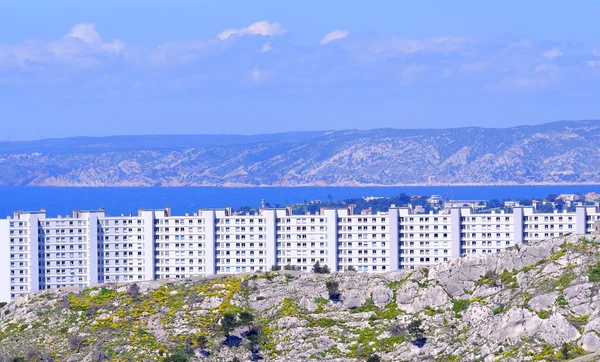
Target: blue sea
[62,200]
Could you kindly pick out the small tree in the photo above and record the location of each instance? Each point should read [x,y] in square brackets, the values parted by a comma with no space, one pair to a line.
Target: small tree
[289,267]
[324,269]
[415,329]
[76,342]
[133,291]
[333,289]
[246,318]
[396,329]
[228,323]
[317,268]
[275,267]
[201,342]
[351,268]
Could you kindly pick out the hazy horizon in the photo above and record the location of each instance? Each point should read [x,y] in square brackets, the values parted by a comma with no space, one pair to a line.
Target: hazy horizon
[325,131]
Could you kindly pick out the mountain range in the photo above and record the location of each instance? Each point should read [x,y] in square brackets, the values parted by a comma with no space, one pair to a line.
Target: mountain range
[565,152]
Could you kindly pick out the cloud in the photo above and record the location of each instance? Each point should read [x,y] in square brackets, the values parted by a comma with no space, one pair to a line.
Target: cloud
[546,68]
[553,53]
[82,47]
[474,67]
[596,52]
[266,48]
[521,44]
[334,35]
[516,84]
[85,32]
[409,73]
[258,76]
[594,64]
[263,28]
[395,45]
[176,53]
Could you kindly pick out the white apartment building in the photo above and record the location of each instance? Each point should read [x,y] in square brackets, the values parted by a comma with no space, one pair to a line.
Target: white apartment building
[38,252]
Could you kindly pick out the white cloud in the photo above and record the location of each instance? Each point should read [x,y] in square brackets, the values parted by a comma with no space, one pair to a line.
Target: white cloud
[596,52]
[474,67]
[443,44]
[263,28]
[546,68]
[409,73]
[258,75]
[595,64]
[179,53]
[517,84]
[266,48]
[82,47]
[521,44]
[553,53]
[86,32]
[334,35]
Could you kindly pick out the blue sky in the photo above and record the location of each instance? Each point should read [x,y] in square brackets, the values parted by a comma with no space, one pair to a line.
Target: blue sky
[97,68]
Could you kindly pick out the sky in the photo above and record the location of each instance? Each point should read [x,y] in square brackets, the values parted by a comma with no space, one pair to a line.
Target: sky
[99,68]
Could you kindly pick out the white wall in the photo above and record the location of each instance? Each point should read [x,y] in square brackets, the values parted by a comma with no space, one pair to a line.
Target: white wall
[4,261]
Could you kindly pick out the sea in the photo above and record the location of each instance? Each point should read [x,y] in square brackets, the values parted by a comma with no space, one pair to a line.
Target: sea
[63,200]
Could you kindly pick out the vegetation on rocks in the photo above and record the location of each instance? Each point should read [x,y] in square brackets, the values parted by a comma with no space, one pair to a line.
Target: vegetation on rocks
[538,302]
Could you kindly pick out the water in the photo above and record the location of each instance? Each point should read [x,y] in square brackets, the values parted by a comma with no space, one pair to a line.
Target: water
[116,200]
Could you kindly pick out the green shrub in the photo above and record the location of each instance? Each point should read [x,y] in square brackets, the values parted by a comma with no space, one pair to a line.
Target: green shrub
[564,280]
[543,314]
[562,301]
[458,305]
[176,357]
[594,273]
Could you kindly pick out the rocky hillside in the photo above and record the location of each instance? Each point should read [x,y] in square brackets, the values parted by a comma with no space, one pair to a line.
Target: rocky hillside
[561,152]
[536,302]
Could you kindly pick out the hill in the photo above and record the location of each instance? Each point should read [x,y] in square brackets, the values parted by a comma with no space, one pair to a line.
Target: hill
[560,152]
[537,302]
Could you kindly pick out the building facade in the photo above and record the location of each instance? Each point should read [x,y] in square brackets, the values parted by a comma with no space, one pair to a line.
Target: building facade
[38,252]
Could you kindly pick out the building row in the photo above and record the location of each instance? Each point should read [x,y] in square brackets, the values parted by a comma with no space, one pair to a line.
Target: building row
[39,252]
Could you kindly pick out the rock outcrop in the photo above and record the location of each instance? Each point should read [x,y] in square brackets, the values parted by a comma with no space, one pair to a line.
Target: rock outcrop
[532,302]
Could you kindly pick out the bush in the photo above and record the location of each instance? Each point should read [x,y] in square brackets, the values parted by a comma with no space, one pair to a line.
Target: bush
[246,318]
[594,273]
[100,356]
[351,268]
[289,267]
[333,289]
[318,269]
[76,342]
[374,358]
[228,323]
[275,267]
[176,357]
[3,304]
[415,329]
[458,305]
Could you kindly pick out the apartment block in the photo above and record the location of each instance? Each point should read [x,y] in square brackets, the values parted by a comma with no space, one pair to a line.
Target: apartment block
[84,248]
